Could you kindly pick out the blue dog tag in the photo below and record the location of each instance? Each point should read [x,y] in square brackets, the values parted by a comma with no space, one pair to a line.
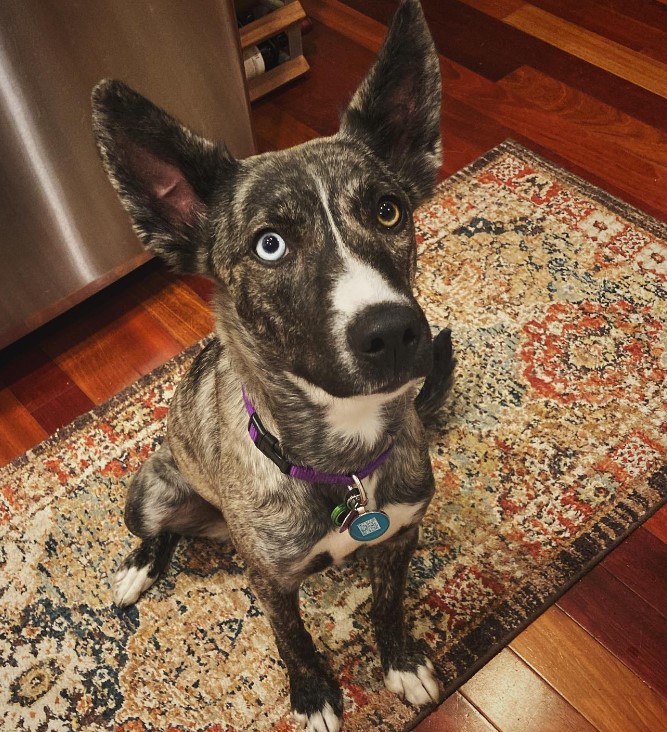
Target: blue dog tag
[369,525]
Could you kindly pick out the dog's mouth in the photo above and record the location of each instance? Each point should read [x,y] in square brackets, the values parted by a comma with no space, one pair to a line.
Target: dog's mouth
[365,400]
[382,350]
[378,375]
[399,383]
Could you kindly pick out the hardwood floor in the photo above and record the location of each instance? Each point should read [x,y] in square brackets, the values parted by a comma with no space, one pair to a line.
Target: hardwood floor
[582,82]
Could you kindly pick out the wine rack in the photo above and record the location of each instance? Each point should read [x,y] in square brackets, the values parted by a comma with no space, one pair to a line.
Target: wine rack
[286,19]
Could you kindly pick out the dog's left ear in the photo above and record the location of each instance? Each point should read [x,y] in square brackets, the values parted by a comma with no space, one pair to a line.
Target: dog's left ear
[396,110]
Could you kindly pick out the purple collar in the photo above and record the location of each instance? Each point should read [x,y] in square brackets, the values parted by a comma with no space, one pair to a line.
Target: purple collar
[269,445]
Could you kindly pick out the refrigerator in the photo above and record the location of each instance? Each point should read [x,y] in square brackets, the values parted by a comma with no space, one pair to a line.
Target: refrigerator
[63,233]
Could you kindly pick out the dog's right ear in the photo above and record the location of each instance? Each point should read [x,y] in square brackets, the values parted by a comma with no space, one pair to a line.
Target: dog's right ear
[396,109]
[165,175]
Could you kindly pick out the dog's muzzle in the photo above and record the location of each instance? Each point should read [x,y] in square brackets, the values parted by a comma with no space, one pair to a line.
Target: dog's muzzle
[391,344]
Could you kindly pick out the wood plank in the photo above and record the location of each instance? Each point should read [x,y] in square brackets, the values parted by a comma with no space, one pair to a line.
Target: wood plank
[640,562]
[516,698]
[656,50]
[657,524]
[598,120]
[591,47]
[651,13]
[19,431]
[201,286]
[609,695]
[347,21]
[277,129]
[499,9]
[467,134]
[62,409]
[271,24]
[380,10]
[32,375]
[20,359]
[456,714]
[482,43]
[179,310]
[104,361]
[608,610]
[614,23]
[41,386]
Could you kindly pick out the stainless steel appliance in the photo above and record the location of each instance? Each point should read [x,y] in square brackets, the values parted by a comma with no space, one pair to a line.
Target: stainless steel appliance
[63,234]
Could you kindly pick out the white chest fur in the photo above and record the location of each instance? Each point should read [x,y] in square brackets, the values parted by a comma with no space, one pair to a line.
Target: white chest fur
[342,545]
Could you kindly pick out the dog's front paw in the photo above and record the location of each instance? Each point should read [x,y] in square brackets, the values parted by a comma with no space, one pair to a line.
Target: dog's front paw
[416,683]
[317,708]
[141,567]
[129,583]
[326,720]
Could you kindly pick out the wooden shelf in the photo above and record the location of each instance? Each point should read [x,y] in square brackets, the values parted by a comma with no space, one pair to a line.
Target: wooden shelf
[284,20]
[272,24]
[281,74]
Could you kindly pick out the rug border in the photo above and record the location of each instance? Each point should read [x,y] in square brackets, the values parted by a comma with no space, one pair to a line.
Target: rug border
[620,207]
[660,476]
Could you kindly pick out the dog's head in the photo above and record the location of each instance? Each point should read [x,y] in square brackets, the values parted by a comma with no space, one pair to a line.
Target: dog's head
[312,248]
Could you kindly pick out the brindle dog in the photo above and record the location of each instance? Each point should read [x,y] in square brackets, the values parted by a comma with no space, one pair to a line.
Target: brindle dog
[318,350]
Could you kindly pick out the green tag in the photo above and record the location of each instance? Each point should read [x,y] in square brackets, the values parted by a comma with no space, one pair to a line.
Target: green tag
[339,513]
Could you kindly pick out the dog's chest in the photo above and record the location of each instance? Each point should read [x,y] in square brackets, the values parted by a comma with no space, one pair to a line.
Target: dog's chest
[336,545]
[340,545]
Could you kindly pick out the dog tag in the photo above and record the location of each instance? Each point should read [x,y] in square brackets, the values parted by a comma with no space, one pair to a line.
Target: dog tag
[345,525]
[369,525]
[339,514]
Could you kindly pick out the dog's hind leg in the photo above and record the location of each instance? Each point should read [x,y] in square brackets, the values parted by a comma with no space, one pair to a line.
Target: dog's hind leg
[161,507]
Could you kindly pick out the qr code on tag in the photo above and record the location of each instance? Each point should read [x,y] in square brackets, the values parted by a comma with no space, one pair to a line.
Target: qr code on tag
[369,526]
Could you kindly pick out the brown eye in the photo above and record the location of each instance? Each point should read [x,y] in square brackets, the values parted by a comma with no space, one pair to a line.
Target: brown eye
[388,212]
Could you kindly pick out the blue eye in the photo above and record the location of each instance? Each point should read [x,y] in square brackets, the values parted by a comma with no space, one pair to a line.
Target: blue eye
[271,247]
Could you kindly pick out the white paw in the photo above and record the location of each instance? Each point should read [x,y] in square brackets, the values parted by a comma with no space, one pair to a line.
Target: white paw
[129,583]
[322,721]
[417,688]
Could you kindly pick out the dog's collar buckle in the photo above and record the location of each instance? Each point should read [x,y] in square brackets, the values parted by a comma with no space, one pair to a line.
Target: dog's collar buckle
[267,443]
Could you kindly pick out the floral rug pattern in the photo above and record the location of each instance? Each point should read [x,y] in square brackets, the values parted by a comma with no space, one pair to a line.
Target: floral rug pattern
[552,447]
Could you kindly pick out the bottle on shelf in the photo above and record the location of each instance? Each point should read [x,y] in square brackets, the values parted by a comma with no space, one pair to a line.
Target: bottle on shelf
[261,58]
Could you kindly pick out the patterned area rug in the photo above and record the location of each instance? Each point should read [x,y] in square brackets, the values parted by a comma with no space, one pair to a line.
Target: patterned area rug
[552,448]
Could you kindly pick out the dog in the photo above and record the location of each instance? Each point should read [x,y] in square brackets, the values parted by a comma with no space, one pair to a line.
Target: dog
[297,433]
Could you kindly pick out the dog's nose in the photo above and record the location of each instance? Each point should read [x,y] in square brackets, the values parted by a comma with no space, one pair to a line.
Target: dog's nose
[387,337]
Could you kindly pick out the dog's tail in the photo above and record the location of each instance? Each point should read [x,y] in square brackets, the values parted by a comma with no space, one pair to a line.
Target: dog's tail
[434,391]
